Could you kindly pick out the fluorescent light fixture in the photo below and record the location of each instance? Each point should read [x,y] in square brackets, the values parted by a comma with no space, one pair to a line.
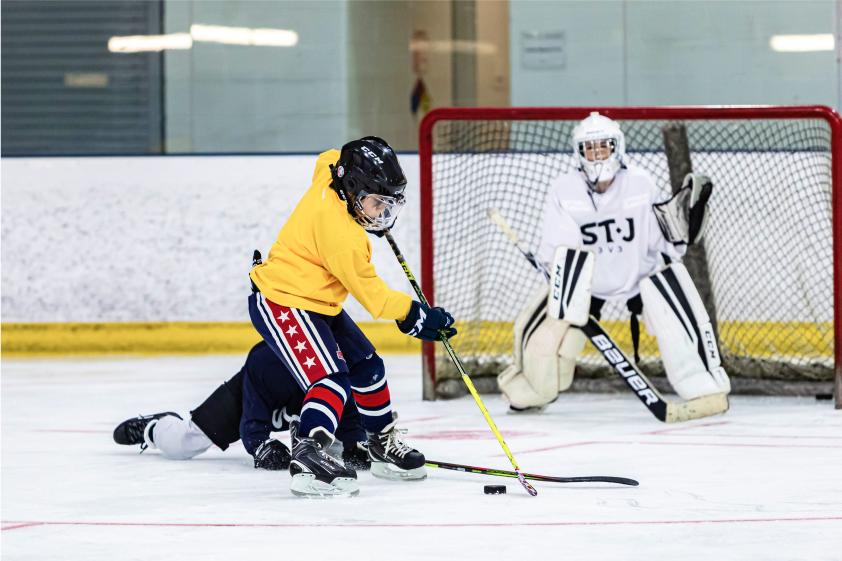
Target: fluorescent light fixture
[244,35]
[802,43]
[209,33]
[144,43]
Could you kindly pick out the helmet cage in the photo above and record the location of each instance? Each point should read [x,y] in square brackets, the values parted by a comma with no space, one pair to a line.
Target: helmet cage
[389,208]
[590,134]
[592,145]
[600,169]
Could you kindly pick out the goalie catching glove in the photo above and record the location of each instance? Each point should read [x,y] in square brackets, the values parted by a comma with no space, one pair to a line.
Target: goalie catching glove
[684,217]
[424,322]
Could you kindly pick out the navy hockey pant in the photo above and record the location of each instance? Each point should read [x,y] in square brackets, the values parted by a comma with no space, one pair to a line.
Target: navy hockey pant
[331,360]
[271,398]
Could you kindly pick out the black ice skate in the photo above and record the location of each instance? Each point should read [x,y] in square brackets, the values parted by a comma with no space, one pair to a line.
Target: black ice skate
[293,431]
[133,431]
[315,473]
[391,458]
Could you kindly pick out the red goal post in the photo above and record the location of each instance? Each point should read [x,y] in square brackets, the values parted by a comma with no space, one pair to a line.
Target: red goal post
[465,134]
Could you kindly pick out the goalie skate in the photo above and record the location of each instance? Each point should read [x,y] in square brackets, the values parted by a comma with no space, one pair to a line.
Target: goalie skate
[532,410]
[391,458]
[317,474]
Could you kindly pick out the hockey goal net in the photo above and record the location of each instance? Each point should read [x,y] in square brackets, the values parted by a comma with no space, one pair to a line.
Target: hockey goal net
[765,267]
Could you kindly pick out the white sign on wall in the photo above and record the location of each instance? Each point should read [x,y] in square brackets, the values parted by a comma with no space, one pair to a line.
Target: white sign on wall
[541,50]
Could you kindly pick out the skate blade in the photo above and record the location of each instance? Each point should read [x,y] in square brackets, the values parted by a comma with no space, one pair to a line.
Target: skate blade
[385,470]
[306,485]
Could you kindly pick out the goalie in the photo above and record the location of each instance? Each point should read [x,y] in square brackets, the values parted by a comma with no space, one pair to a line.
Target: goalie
[603,239]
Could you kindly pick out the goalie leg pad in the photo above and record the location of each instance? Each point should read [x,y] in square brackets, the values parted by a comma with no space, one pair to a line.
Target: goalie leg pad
[571,347]
[545,356]
[674,313]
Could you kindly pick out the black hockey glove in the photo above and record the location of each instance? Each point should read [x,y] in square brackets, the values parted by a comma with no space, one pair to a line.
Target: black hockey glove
[424,323]
[356,456]
[272,455]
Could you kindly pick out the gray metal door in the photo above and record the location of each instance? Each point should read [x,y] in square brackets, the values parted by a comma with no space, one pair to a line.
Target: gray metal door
[63,92]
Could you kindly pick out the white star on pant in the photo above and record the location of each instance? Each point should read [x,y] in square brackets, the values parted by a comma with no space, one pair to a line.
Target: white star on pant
[284,316]
[292,330]
[300,346]
[309,362]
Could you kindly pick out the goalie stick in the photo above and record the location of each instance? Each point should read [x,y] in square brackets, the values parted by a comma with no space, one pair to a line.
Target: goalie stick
[532,476]
[663,410]
[529,488]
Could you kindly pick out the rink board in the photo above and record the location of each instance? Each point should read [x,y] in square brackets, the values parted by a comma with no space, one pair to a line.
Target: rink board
[60,339]
[158,238]
[148,255]
[155,338]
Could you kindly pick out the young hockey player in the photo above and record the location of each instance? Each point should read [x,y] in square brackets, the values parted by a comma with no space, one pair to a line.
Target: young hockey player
[261,398]
[610,208]
[321,255]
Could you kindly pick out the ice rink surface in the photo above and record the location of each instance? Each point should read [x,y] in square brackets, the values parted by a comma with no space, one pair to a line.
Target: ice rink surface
[762,482]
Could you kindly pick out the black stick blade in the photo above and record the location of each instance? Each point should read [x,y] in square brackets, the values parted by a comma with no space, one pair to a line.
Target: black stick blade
[532,476]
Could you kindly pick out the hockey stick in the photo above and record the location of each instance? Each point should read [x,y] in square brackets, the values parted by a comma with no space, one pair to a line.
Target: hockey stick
[663,410]
[529,488]
[532,476]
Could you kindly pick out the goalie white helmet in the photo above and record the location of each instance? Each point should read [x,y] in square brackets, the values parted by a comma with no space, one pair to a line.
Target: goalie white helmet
[602,139]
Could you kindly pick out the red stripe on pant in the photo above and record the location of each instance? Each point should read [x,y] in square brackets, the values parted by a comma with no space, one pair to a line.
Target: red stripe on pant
[294,334]
[374,399]
[333,401]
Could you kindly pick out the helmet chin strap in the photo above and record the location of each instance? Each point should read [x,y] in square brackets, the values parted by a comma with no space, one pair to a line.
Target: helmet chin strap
[598,166]
[339,187]
[592,184]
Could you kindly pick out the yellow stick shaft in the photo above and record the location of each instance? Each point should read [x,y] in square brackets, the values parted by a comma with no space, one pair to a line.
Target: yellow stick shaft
[458,364]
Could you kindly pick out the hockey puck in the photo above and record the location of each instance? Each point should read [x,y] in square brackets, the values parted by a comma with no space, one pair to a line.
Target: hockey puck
[494,489]
[824,396]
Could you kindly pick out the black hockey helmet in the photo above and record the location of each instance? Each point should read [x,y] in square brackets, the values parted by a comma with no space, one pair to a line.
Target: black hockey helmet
[368,167]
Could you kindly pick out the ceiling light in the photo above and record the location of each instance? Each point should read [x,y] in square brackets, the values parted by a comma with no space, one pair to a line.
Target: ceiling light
[802,43]
[143,43]
[244,35]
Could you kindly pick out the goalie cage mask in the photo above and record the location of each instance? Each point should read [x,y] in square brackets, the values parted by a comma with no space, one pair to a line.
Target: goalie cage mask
[587,135]
[369,168]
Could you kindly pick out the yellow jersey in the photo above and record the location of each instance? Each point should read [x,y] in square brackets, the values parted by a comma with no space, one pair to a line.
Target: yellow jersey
[322,254]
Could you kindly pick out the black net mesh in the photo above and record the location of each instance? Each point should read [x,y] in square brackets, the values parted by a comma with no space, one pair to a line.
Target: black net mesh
[768,243]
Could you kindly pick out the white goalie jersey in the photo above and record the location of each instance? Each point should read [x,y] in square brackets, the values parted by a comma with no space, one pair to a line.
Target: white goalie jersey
[619,226]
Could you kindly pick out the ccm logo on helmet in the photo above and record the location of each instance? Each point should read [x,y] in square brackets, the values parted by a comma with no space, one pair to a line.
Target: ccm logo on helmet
[624,369]
[374,157]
